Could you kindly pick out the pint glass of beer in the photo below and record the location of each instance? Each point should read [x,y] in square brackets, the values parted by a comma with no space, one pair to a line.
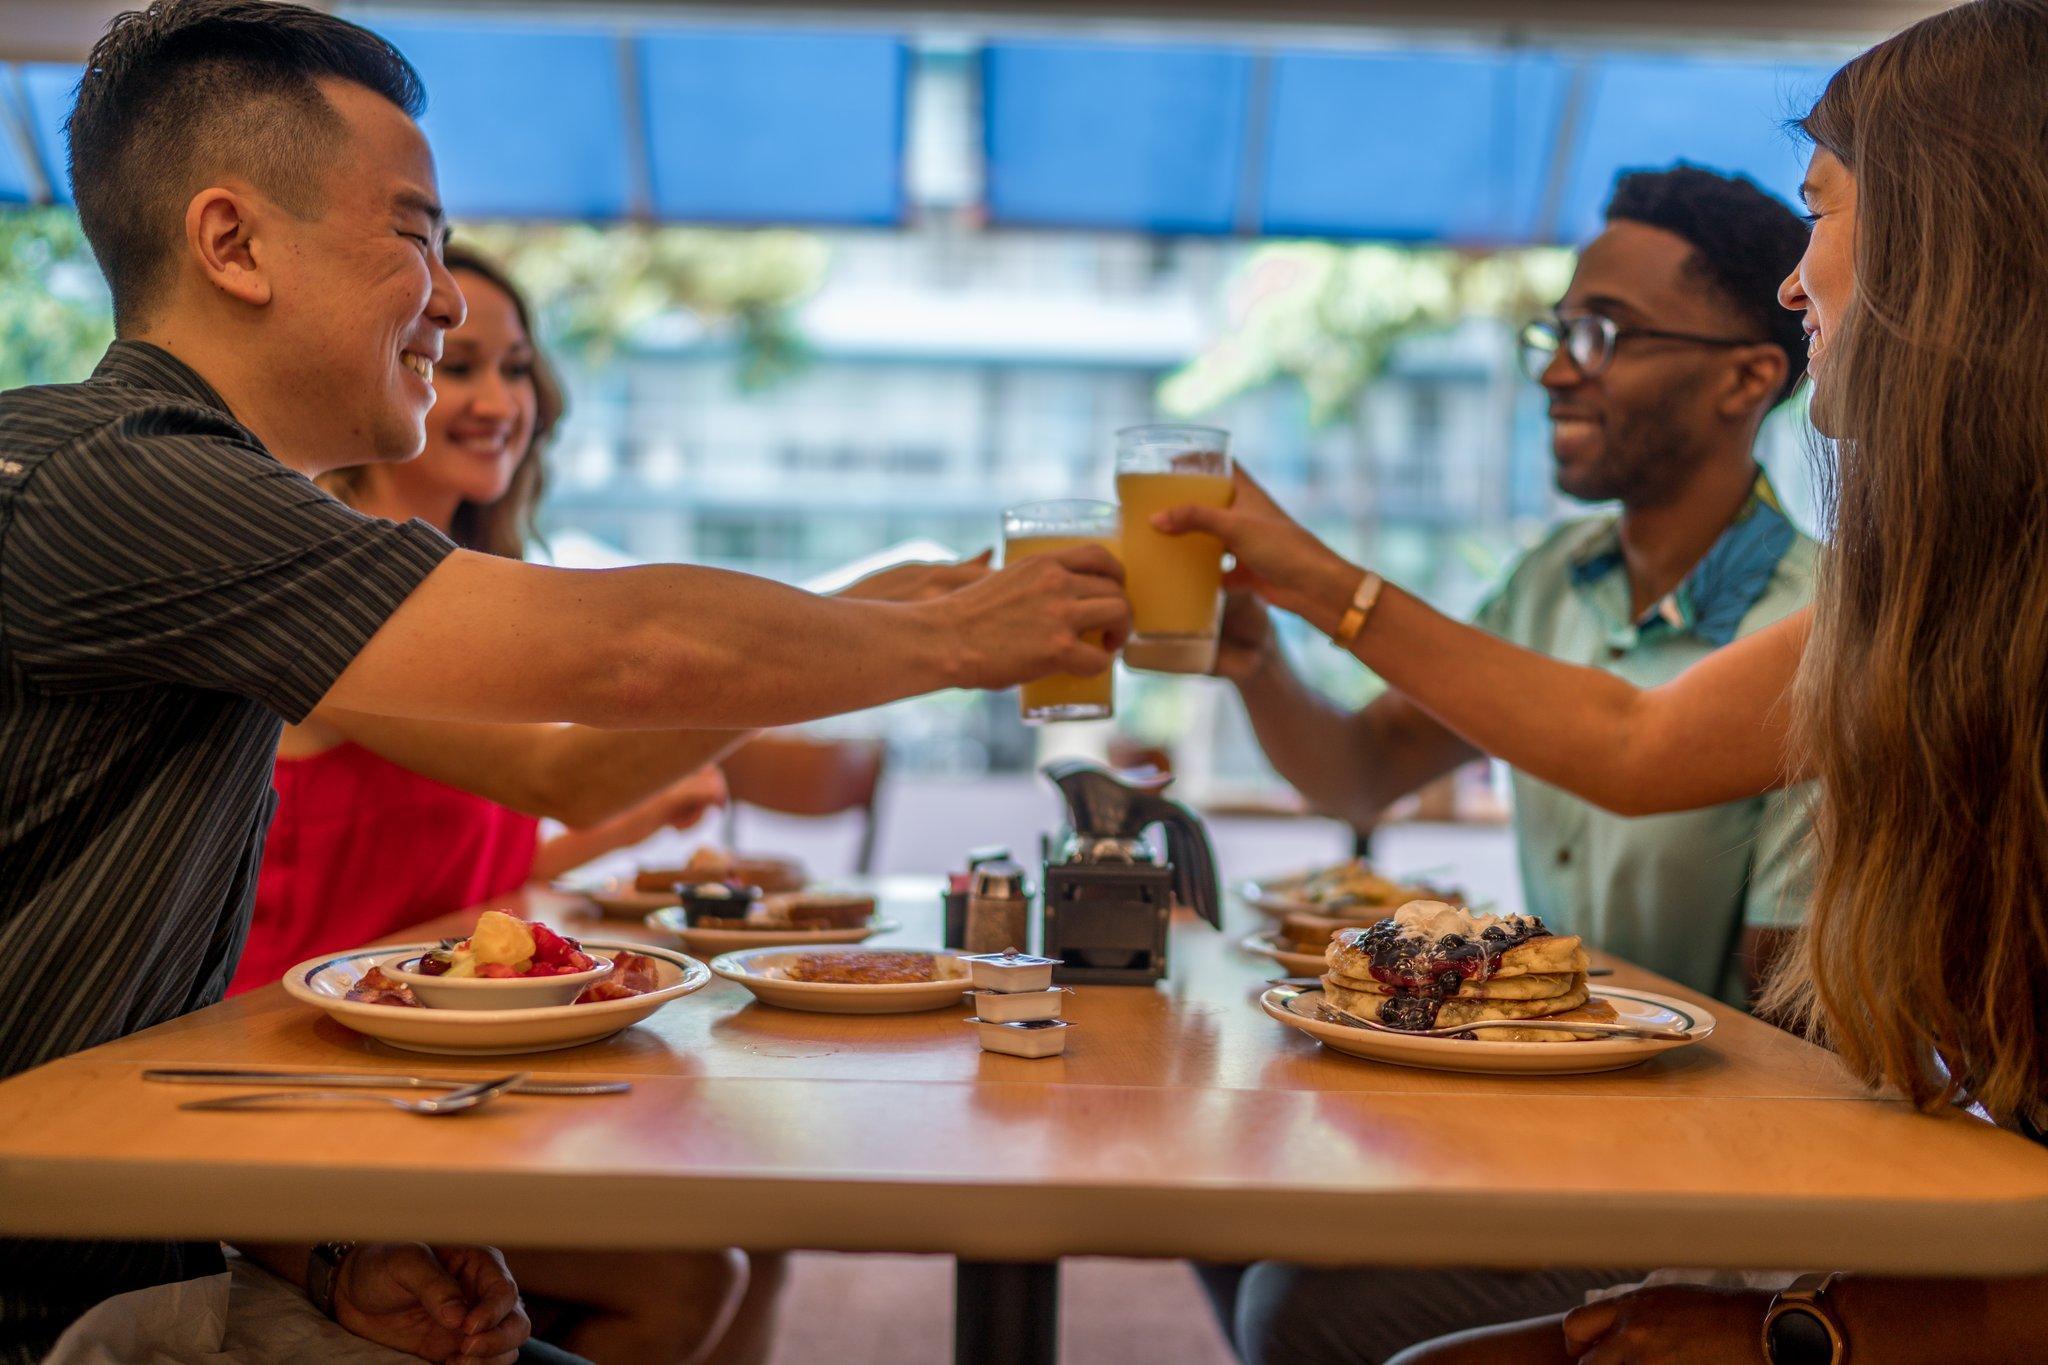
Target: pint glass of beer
[1036,528]
[1174,582]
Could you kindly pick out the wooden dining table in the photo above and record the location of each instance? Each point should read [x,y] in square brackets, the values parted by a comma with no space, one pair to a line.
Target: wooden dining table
[1181,1122]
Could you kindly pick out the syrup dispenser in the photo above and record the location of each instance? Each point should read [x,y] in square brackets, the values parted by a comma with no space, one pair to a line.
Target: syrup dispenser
[1108,901]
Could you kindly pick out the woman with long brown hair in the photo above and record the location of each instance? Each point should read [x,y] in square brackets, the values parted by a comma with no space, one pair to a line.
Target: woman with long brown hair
[1915,691]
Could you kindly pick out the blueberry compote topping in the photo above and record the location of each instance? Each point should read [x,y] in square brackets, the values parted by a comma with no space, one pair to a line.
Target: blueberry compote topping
[1424,970]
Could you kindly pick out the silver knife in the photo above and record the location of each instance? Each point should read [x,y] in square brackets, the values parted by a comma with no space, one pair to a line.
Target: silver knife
[373,1080]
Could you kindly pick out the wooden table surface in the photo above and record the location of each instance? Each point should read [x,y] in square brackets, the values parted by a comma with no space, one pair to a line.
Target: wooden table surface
[1182,1122]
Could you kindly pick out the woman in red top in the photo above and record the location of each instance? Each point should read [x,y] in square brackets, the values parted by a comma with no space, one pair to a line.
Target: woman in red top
[383,824]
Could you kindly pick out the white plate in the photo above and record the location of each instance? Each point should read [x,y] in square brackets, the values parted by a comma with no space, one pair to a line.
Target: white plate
[1502,1058]
[1276,896]
[755,968]
[1281,896]
[324,983]
[1266,943]
[617,897]
[707,942]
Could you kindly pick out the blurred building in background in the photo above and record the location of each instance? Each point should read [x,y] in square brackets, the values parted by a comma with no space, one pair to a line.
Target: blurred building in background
[996,249]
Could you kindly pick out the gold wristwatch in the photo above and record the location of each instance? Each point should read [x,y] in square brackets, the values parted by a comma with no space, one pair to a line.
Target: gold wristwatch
[1801,1329]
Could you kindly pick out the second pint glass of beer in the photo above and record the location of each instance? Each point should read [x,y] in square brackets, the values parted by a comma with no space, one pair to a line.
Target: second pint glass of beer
[1036,528]
[1174,582]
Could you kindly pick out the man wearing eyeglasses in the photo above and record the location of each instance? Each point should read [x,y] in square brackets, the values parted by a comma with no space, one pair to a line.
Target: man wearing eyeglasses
[1660,362]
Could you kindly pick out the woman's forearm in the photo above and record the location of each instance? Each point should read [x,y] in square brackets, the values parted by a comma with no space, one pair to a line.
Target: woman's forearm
[1715,734]
[572,848]
[592,776]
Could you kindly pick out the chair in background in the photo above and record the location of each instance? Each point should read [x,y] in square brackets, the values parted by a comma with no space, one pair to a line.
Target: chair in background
[794,774]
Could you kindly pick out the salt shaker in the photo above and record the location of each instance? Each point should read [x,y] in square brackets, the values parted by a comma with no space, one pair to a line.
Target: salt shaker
[998,909]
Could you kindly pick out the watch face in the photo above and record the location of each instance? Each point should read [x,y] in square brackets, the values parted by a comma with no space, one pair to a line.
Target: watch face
[1800,1338]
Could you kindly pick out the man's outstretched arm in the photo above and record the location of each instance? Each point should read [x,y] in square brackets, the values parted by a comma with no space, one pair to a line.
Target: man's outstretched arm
[491,639]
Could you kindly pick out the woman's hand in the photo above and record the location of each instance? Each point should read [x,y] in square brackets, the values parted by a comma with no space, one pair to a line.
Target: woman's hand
[1277,559]
[454,1304]
[1669,1325]
[691,799]
[1246,643]
[918,582]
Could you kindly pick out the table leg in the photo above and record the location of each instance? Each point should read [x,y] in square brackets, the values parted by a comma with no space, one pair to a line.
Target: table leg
[1006,1312]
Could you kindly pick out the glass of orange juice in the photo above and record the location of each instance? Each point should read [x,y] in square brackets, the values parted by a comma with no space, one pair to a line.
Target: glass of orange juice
[1174,582]
[1036,528]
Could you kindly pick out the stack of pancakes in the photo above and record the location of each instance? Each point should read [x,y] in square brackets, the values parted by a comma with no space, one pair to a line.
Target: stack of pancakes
[1300,933]
[1540,977]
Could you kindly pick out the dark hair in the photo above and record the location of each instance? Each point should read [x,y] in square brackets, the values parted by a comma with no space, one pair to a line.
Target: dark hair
[174,94]
[1744,241]
[504,527]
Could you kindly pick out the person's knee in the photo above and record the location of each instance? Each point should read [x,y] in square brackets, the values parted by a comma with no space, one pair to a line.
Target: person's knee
[682,1296]
[1299,1315]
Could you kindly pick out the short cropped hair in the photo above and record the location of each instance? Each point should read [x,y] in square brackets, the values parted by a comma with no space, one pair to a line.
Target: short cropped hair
[176,94]
[1744,242]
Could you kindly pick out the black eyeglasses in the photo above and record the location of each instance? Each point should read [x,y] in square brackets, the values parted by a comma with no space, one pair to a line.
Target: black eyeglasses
[1589,340]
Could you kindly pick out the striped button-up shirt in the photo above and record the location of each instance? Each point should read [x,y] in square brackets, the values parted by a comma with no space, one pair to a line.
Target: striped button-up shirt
[170,595]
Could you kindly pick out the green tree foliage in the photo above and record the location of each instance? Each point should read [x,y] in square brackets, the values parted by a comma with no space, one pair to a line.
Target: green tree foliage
[596,288]
[55,318]
[1326,316]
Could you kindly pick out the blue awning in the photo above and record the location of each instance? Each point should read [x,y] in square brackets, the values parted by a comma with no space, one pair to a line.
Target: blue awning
[48,88]
[775,127]
[703,125]
[524,119]
[1468,148]
[1094,135]
[14,185]
[1648,111]
[1420,147]
[547,119]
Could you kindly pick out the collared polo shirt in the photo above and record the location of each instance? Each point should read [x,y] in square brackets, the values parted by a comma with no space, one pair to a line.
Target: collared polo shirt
[170,595]
[1670,892]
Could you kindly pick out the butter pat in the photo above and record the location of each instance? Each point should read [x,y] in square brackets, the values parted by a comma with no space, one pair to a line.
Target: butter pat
[1018,1007]
[1010,971]
[500,938]
[1038,1038]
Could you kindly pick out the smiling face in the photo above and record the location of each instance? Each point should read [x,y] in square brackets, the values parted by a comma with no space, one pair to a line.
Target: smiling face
[1821,288]
[1638,431]
[360,300]
[485,404]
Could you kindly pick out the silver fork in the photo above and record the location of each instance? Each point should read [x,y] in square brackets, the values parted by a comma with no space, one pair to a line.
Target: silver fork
[454,1102]
[1333,1015]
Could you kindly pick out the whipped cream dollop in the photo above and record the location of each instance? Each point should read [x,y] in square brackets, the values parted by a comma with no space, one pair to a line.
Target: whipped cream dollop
[1434,919]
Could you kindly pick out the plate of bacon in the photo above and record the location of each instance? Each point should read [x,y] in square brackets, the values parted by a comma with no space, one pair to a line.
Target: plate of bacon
[352,990]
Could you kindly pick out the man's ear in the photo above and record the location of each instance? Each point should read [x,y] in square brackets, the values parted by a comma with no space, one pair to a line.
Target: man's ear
[1755,377]
[221,239]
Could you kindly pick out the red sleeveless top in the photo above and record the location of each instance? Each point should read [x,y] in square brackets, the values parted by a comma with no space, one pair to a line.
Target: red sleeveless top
[360,848]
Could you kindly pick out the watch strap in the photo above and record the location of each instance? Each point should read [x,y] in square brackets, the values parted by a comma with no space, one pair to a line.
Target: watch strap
[1806,1297]
[323,1270]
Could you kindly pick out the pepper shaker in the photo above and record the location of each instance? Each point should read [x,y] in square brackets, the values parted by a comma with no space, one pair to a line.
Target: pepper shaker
[959,889]
[998,909]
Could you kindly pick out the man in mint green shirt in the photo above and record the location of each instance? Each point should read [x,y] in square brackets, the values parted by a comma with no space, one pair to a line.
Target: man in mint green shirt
[1660,362]
[1695,894]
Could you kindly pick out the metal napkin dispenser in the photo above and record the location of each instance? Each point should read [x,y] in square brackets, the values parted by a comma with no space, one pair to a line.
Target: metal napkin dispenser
[1108,901]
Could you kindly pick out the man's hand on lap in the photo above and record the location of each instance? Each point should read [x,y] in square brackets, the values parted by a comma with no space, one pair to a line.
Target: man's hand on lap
[452,1304]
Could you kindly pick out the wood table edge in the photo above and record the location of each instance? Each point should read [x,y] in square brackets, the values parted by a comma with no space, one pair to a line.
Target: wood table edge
[98,1198]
